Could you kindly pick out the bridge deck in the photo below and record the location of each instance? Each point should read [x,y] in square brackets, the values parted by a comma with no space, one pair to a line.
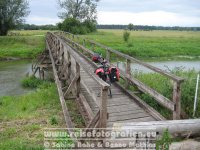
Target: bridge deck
[121,107]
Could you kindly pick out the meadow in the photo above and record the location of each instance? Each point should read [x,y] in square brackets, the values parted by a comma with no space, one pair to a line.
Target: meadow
[25,44]
[23,118]
[149,44]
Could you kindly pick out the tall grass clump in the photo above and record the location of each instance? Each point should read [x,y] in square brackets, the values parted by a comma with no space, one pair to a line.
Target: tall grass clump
[32,82]
[164,86]
[126,35]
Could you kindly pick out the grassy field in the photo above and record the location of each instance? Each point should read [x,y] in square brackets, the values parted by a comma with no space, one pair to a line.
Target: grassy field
[23,118]
[26,44]
[148,44]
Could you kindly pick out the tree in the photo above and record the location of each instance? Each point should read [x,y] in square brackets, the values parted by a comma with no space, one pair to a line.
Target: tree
[11,14]
[130,26]
[78,9]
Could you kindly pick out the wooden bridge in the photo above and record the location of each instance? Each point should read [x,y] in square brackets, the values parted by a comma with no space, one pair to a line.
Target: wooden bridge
[74,75]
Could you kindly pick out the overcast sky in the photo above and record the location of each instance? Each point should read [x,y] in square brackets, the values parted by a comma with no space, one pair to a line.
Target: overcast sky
[138,12]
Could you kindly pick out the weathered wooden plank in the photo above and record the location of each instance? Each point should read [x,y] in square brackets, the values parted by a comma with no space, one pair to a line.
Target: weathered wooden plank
[110,104]
[94,121]
[87,107]
[142,104]
[128,117]
[103,109]
[126,112]
[145,119]
[175,127]
[121,109]
[71,86]
[128,72]
[177,100]
[122,106]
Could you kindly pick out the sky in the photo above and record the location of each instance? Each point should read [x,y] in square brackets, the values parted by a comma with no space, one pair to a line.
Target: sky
[139,12]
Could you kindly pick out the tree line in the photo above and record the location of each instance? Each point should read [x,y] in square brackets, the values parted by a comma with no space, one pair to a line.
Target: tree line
[148,28]
[36,27]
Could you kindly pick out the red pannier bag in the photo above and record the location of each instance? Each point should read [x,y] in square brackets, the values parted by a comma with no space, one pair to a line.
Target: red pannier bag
[95,58]
[100,72]
[114,74]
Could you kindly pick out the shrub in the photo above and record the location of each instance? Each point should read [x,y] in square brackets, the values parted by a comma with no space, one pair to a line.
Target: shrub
[32,82]
[53,120]
[165,141]
[126,35]
[76,27]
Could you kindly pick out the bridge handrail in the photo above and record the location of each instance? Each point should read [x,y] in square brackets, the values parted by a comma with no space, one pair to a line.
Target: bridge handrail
[104,85]
[174,106]
[153,68]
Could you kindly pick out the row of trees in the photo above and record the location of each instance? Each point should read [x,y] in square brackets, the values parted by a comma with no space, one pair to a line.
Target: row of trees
[36,27]
[147,28]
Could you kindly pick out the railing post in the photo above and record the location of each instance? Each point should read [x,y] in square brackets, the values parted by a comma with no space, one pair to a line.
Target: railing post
[68,65]
[103,108]
[73,40]
[78,80]
[108,55]
[93,46]
[177,100]
[128,72]
[84,43]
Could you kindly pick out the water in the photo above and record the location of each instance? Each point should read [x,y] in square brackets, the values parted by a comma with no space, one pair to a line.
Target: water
[11,74]
[164,65]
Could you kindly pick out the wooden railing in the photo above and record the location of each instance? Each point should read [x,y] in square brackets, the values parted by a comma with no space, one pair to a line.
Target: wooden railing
[173,105]
[68,71]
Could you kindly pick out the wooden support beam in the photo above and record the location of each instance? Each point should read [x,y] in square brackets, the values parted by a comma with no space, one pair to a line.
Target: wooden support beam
[103,108]
[71,86]
[87,107]
[128,72]
[78,80]
[94,121]
[108,54]
[177,100]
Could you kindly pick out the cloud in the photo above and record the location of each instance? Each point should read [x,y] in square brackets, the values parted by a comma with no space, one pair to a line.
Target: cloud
[160,18]
[42,20]
[144,12]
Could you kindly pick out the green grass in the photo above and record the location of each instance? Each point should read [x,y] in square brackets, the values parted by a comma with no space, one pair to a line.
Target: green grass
[29,32]
[24,117]
[145,44]
[32,82]
[26,45]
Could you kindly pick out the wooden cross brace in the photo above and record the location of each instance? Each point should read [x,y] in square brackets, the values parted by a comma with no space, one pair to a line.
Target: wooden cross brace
[75,84]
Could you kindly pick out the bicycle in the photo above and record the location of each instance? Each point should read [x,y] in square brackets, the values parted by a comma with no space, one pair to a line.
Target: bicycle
[103,72]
